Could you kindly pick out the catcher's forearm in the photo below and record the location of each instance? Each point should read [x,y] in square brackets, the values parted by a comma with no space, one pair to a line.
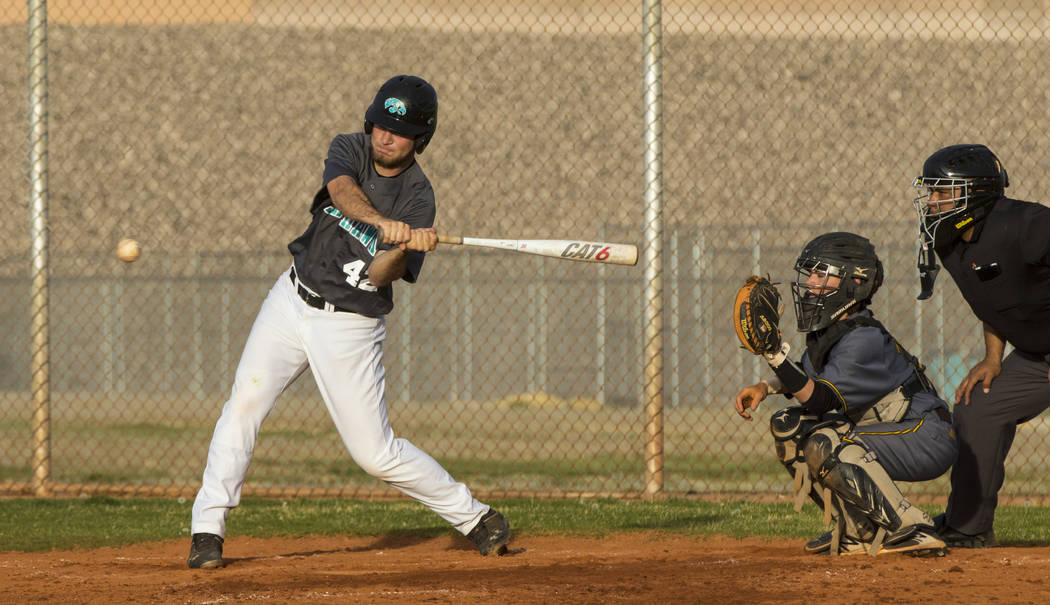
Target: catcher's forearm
[791,376]
[773,385]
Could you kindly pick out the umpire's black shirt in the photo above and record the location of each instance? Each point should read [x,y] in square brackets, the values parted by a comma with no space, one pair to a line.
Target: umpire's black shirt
[1003,272]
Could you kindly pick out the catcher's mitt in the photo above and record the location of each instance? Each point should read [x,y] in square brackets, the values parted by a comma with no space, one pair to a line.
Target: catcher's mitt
[756,315]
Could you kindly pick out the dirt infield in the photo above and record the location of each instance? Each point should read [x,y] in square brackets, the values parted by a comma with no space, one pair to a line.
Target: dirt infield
[635,568]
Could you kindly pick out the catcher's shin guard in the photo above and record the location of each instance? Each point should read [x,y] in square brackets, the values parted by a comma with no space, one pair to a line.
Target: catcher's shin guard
[789,427]
[851,532]
[852,472]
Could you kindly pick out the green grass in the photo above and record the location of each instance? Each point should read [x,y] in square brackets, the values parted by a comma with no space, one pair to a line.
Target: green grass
[15,473]
[492,446]
[37,524]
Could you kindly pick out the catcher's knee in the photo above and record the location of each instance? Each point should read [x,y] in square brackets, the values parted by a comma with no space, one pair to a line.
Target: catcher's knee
[825,448]
[787,423]
[819,451]
[789,426]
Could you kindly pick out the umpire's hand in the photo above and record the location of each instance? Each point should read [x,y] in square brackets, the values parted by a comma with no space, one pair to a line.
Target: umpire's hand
[985,372]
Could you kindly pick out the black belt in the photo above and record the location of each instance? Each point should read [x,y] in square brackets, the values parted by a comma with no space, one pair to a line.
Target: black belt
[313,300]
[916,384]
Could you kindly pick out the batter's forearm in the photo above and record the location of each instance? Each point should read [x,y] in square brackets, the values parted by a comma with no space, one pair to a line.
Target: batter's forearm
[354,204]
[387,267]
[350,200]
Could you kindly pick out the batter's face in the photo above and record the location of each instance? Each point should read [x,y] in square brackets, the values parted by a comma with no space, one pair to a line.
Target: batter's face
[391,152]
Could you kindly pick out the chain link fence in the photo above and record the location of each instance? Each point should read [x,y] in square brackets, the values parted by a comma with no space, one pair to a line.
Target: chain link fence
[199,128]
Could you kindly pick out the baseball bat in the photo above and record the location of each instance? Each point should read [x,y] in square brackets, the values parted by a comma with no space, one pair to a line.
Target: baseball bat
[590,252]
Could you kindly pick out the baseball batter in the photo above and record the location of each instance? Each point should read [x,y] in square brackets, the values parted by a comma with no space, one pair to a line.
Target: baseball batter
[372,222]
[867,415]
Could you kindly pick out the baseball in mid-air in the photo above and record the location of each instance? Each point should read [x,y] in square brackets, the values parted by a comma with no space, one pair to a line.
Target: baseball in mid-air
[128,250]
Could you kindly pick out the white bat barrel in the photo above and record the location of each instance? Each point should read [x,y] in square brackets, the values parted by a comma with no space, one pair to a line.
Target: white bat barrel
[589,252]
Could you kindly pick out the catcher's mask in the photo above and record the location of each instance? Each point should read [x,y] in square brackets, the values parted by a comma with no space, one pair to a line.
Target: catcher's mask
[405,105]
[846,256]
[967,180]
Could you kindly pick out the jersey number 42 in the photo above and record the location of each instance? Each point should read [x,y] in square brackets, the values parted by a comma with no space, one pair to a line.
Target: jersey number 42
[353,272]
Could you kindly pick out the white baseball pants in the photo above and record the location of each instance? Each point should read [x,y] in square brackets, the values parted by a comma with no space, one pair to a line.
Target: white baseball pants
[344,353]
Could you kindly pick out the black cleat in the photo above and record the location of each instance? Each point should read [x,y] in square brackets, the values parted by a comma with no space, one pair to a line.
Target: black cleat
[491,534]
[957,539]
[205,552]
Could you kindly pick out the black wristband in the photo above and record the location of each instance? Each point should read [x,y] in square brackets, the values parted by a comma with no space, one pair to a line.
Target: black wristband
[792,376]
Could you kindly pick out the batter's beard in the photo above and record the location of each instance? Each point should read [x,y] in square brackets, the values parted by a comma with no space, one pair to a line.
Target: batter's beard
[398,164]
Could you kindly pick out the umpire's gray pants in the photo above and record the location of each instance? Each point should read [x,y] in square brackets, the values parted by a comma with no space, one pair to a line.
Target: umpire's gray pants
[985,430]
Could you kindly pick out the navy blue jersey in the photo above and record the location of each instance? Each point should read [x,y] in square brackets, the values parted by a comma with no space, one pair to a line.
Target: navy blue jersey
[863,367]
[333,255]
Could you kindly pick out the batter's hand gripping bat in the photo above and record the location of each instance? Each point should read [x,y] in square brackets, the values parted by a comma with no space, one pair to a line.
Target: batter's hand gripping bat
[591,252]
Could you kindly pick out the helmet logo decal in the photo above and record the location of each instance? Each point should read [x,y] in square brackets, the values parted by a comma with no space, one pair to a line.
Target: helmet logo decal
[395,106]
[861,272]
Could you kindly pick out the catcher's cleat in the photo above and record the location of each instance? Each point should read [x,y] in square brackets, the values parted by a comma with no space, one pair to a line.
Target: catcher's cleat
[848,545]
[491,534]
[957,539]
[916,541]
[205,552]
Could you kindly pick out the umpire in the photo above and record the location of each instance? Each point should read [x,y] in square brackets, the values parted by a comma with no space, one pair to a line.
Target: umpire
[997,250]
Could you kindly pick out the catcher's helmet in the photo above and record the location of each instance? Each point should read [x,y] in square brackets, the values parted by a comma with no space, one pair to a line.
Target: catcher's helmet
[847,256]
[974,179]
[405,105]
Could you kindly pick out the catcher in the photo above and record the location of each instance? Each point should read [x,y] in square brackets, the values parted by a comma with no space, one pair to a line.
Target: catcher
[866,415]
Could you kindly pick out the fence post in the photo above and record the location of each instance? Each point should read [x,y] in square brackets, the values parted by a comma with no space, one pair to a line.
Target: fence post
[40,368]
[756,260]
[940,358]
[465,355]
[600,311]
[653,327]
[169,326]
[224,331]
[197,386]
[700,265]
[405,303]
[112,342]
[675,310]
